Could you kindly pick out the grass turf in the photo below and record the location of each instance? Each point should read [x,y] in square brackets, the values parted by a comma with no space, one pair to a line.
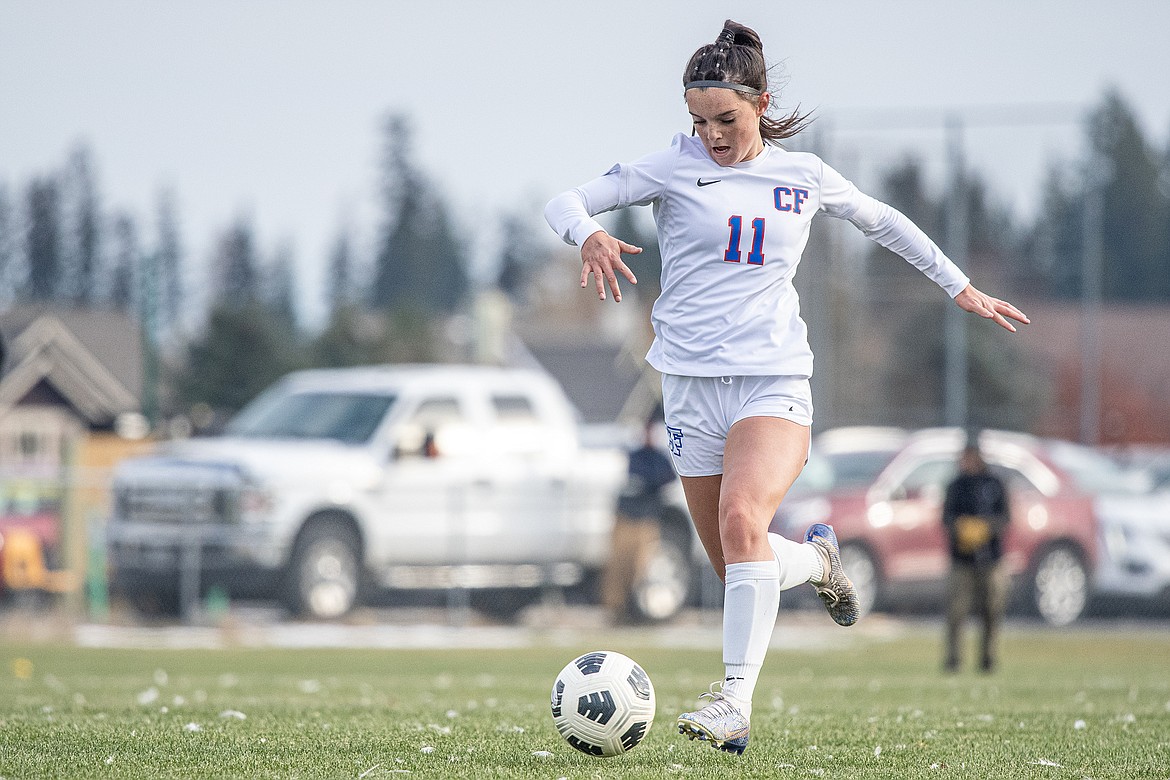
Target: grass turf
[1074,704]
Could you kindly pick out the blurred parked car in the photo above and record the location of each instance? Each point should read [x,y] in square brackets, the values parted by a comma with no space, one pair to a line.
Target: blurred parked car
[1134,515]
[892,541]
[1153,462]
[847,457]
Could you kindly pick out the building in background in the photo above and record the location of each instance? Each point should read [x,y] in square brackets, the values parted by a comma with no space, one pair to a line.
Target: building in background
[70,397]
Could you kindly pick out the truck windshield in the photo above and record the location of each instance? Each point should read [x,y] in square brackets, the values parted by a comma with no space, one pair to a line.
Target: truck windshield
[350,418]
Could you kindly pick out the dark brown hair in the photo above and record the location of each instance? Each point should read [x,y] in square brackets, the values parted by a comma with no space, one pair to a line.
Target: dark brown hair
[737,57]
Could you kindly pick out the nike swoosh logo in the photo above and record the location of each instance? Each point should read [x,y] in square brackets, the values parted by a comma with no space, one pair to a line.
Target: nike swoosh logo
[702,183]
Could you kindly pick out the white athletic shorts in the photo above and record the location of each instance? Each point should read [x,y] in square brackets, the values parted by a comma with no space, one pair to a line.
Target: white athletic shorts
[701,410]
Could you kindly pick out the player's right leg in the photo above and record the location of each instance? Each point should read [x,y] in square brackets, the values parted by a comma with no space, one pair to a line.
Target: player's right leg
[721,721]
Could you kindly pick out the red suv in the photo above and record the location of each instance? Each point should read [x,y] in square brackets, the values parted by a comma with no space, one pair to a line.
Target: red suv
[889,522]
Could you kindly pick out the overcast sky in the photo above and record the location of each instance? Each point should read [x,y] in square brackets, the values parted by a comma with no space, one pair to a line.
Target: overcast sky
[274,109]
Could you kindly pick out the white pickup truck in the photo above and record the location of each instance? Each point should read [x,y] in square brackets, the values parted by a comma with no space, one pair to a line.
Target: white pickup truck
[397,477]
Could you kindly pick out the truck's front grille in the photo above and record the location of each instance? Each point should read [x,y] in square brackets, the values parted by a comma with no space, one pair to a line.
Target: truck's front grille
[176,504]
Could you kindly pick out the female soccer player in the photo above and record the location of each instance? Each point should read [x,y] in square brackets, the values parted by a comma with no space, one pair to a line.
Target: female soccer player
[733,211]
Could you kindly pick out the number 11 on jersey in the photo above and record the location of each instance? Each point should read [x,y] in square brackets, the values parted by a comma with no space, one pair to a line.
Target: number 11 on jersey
[756,255]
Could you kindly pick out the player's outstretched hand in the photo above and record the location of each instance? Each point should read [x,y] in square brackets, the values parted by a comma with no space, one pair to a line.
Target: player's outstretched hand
[601,255]
[990,308]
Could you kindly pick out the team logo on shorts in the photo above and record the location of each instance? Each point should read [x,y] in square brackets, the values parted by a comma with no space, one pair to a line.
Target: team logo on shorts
[674,436]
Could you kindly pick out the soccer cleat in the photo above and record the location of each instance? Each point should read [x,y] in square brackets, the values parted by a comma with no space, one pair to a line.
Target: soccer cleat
[834,588]
[718,721]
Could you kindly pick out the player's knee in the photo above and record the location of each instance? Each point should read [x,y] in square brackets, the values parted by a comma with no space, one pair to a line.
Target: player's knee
[740,530]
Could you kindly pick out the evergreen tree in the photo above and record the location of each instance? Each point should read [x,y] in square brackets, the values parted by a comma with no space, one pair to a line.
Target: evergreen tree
[346,338]
[127,264]
[420,263]
[341,282]
[356,336]
[250,339]
[1164,189]
[281,294]
[1134,217]
[1051,253]
[1124,172]
[905,189]
[169,259]
[243,350]
[516,258]
[994,239]
[9,251]
[43,240]
[82,250]
[235,273]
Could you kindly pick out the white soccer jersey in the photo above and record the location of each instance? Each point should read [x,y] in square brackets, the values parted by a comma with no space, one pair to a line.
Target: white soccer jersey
[731,238]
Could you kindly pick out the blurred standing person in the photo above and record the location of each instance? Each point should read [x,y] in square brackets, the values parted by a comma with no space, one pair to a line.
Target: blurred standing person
[733,210]
[975,515]
[636,530]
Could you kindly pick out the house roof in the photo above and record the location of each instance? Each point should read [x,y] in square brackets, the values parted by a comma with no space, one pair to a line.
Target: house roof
[609,382]
[92,358]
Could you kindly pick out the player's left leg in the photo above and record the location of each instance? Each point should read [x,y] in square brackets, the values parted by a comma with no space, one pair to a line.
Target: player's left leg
[702,495]
[833,586]
[762,458]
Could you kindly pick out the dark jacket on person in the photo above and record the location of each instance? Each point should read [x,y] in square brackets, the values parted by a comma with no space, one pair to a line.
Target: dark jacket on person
[650,470]
[975,514]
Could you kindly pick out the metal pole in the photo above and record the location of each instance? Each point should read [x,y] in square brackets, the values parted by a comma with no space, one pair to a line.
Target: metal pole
[458,596]
[955,399]
[190,573]
[150,346]
[73,531]
[1092,262]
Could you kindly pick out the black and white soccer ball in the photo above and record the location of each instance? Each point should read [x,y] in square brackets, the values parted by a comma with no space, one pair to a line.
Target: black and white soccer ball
[603,703]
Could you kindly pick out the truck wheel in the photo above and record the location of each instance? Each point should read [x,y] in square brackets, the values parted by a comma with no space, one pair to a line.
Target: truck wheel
[862,570]
[325,571]
[1060,586]
[664,588]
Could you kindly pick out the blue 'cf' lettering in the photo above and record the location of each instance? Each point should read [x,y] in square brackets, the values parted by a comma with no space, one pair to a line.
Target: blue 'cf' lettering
[789,198]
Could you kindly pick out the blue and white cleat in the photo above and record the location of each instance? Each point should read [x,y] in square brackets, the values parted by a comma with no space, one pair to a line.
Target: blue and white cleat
[719,722]
[835,589]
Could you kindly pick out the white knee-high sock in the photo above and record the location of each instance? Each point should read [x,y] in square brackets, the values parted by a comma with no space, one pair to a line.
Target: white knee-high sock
[799,563]
[750,602]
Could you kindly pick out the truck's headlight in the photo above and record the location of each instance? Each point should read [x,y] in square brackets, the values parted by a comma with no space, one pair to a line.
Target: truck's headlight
[255,501]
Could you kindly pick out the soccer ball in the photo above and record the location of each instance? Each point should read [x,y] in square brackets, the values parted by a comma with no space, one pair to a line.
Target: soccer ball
[603,703]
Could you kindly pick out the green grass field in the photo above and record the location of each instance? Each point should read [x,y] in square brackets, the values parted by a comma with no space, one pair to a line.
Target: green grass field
[1079,704]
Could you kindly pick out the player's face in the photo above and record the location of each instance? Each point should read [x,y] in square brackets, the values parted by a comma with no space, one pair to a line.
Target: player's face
[728,122]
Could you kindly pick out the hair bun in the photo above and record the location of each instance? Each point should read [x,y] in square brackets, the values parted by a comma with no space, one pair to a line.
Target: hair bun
[736,34]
